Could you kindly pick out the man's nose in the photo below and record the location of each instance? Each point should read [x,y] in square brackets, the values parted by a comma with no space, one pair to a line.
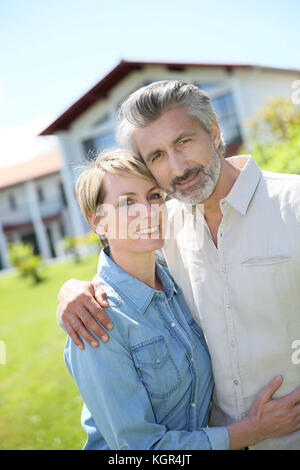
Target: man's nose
[178,164]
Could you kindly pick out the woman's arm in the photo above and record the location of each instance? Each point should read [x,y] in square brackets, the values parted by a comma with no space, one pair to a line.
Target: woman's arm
[119,403]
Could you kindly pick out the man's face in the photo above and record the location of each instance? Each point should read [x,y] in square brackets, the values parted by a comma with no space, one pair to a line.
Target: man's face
[181,155]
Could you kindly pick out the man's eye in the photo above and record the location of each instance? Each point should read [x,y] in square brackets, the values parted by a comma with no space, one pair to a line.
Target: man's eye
[156,156]
[184,141]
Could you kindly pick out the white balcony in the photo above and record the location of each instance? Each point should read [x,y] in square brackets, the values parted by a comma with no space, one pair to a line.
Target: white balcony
[23,214]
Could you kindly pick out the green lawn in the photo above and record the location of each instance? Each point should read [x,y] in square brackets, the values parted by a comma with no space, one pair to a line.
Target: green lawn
[40,406]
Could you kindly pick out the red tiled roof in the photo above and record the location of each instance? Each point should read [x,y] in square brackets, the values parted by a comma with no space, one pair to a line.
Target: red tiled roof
[39,166]
[101,89]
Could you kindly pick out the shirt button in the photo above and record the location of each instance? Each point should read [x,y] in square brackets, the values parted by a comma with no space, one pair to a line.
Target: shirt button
[193,405]
[157,361]
[191,359]
[228,306]
[236,382]
[232,342]
[172,324]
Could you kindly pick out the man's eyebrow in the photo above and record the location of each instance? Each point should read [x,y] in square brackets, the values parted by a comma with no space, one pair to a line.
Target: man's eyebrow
[187,133]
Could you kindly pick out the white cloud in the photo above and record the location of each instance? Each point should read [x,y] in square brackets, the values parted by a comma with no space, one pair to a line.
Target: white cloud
[21,142]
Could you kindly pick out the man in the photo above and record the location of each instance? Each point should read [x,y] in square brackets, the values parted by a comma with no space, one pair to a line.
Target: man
[242,284]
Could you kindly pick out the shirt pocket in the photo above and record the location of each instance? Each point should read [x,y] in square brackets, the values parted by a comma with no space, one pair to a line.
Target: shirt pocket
[156,367]
[265,260]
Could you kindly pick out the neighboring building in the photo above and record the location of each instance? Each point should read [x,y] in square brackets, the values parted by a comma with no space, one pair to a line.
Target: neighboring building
[33,206]
[89,124]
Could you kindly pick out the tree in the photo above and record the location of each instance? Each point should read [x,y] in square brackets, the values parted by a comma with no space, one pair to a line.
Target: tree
[275,136]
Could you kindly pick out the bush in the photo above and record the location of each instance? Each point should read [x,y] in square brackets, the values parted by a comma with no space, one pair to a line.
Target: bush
[23,258]
[275,136]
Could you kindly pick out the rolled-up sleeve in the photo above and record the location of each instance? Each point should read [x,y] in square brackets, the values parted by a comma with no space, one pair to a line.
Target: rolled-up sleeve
[119,403]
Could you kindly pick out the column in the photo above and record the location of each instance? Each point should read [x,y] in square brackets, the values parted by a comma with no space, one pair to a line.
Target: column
[3,249]
[38,224]
[70,154]
[56,237]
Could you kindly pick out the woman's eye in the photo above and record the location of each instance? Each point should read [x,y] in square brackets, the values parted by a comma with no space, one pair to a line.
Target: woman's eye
[155,196]
[125,202]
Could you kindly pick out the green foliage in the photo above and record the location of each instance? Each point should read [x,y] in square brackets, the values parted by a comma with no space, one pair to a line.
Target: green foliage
[40,405]
[275,136]
[23,258]
[72,244]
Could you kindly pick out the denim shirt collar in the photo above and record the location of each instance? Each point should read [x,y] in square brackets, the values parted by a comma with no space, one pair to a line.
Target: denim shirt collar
[131,288]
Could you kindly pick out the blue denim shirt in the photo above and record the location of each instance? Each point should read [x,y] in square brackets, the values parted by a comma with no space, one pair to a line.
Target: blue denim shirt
[150,385]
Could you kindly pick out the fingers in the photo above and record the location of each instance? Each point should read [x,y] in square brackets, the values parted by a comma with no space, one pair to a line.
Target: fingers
[94,308]
[100,295]
[269,390]
[76,328]
[294,397]
[74,336]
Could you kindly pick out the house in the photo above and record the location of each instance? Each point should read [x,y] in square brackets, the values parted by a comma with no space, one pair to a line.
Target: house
[236,90]
[33,206]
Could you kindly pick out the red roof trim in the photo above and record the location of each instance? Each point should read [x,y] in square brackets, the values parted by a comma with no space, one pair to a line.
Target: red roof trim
[102,88]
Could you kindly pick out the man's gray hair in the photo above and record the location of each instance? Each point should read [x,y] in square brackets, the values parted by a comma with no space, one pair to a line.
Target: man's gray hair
[148,103]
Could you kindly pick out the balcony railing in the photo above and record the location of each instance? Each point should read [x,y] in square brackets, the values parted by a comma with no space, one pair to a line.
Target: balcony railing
[22,214]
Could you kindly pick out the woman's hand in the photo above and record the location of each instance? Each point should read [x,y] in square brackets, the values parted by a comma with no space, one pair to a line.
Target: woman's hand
[79,302]
[268,417]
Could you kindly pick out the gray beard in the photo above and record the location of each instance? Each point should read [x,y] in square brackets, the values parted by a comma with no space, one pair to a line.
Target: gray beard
[204,188]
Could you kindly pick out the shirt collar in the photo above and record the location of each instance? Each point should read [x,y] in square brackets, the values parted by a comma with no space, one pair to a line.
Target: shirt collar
[244,187]
[131,288]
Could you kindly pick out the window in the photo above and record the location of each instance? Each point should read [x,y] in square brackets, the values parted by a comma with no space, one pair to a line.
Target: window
[12,201]
[40,194]
[223,104]
[224,108]
[100,143]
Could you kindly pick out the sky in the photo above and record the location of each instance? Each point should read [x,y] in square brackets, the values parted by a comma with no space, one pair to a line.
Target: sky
[52,52]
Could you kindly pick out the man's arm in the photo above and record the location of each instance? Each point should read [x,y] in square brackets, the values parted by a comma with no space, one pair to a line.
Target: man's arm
[79,302]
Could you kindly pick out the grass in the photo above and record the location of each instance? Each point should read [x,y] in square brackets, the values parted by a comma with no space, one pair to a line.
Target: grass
[40,405]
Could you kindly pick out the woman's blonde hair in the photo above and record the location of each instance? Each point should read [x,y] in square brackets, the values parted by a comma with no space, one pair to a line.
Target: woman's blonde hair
[90,189]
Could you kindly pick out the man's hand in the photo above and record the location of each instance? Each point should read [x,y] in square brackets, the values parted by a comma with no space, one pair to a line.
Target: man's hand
[79,301]
[268,417]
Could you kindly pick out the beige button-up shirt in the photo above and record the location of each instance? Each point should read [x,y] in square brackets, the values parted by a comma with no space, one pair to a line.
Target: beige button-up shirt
[245,293]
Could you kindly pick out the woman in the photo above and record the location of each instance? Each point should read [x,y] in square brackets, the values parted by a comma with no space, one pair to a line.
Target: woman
[150,386]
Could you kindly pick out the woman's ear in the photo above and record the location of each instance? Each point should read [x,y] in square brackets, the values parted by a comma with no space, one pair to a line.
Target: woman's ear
[94,223]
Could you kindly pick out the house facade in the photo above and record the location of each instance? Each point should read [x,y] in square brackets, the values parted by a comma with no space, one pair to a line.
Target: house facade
[33,206]
[236,91]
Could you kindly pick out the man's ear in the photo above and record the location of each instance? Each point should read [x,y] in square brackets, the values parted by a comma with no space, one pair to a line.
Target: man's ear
[215,133]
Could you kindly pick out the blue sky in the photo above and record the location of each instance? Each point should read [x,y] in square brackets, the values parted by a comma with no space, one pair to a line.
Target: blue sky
[53,52]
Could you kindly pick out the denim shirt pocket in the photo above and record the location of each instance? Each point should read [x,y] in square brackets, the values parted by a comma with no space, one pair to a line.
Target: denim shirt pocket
[156,367]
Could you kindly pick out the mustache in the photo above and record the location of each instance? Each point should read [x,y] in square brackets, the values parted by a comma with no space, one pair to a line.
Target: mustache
[179,179]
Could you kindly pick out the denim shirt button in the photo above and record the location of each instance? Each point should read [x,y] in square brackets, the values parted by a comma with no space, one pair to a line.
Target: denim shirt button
[172,324]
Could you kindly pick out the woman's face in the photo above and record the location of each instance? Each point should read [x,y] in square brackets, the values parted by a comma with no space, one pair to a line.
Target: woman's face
[133,215]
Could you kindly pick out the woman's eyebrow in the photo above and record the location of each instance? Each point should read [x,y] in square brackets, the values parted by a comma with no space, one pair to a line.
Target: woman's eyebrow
[134,194]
